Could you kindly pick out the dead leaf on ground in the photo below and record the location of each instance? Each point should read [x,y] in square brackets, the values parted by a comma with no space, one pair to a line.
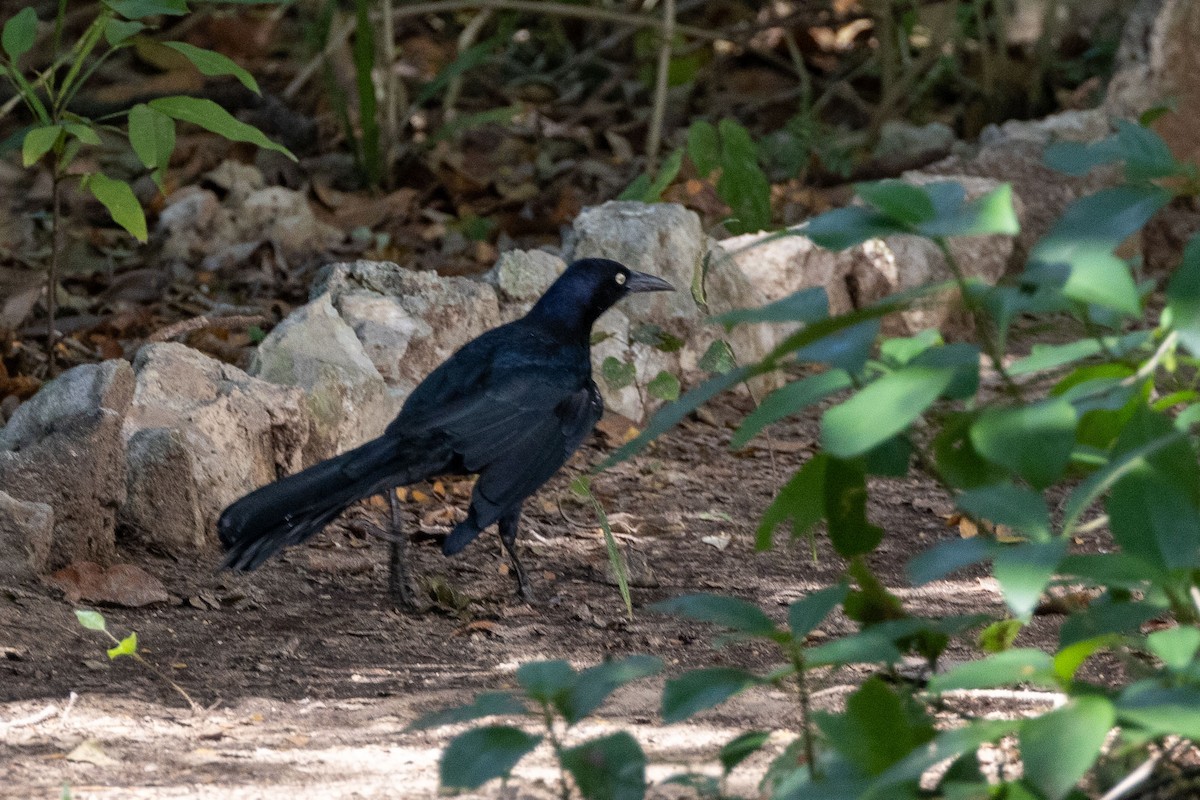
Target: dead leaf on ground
[89,751]
[120,584]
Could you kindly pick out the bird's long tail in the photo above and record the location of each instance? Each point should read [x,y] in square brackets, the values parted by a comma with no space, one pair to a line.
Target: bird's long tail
[294,508]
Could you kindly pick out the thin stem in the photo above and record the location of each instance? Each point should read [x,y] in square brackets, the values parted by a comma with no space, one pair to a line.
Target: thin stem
[659,109]
[806,728]
[556,743]
[55,248]
[983,320]
[138,658]
[558,10]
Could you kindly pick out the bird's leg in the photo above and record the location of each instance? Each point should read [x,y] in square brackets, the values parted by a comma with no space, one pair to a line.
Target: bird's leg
[509,525]
[398,586]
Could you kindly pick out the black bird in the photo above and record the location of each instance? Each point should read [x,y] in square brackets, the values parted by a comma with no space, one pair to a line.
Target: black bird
[511,405]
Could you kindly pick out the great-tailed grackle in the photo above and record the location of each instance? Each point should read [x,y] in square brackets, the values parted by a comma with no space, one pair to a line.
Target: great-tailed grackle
[511,405]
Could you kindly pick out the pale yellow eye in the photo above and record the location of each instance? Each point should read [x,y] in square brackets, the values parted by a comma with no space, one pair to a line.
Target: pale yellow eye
[620,278]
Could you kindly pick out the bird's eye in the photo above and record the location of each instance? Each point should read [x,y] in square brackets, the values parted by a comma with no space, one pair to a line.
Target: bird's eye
[620,278]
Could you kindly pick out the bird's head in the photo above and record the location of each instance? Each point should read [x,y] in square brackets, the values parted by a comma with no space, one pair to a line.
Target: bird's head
[591,286]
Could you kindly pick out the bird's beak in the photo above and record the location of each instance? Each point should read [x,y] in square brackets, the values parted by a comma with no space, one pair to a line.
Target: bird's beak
[643,282]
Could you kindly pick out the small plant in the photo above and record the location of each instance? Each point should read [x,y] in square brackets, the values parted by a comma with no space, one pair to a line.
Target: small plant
[554,698]
[94,621]
[61,134]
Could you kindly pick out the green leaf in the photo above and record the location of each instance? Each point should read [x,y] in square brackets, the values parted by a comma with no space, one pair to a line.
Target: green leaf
[84,133]
[19,34]
[847,227]
[1000,635]
[801,499]
[488,704]
[119,30]
[807,613]
[879,728]
[1147,156]
[617,374]
[612,767]
[475,757]
[900,350]
[1069,659]
[126,647]
[899,201]
[137,9]
[547,681]
[92,620]
[946,745]
[743,184]
[609,768]
[701,689]
[1080,158]
[845,346]
[883,409]
[718,358]
[1176,647]
[1104,618]
[1183,297]
[806,305]
[38,142]
[740,748]
[152,136]
[960,357]
[1044,357]
[1007,504]
[1161,710]
[704,147]
[596,683]
[211,117]
[1082,242]
[946,557]
[665,386]
[788,400]
[212,63]
[731,612]
[1033,441]
[869,646]
[846,509]
[121,203]
[1024,570]
[1022,665]
[993,213]
[1059,747]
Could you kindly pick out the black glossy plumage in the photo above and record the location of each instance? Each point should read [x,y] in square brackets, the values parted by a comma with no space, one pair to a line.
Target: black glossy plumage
[511,405]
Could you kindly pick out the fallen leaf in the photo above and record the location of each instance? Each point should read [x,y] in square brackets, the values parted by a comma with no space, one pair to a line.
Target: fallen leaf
[719,541]
[120,584]
[89,752]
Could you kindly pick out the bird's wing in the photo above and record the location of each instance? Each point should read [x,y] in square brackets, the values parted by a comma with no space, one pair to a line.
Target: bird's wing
[516,434]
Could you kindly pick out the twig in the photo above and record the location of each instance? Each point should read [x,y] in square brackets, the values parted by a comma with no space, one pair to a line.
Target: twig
[33,719]
[659,109]
[336,39]
[199,323]
[1133,779]
[71,698]
[466,39]
[557,10]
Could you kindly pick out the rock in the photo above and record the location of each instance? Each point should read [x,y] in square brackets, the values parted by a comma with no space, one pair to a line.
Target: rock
[200,434]
[26,533]
[522,275]
[900,139]
[197,225]
[1013,153]
[1156,63]
[408,321]
[63,447]
[666,239]
[859,276]
[316,350]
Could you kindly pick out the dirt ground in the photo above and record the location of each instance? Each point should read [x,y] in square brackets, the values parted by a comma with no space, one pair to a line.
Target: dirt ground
[308,677]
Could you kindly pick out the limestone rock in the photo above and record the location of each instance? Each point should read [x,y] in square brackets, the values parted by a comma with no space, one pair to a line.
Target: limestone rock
[63,447]
[314,349]
[200,434]
[26,534]
[408,321]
